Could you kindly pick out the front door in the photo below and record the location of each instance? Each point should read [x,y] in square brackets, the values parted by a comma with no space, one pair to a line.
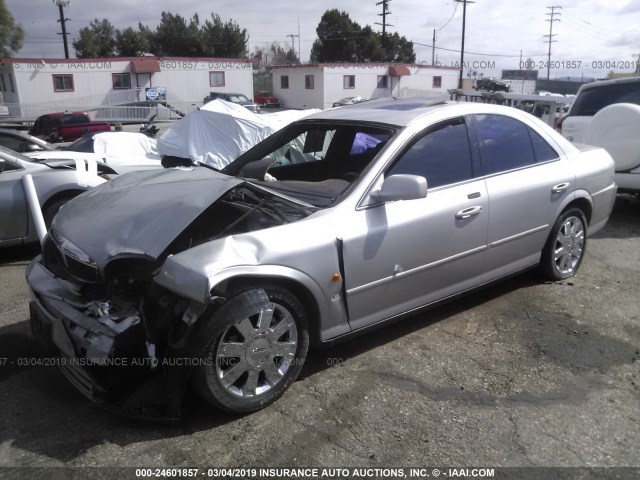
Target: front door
[143,80]
[401,255]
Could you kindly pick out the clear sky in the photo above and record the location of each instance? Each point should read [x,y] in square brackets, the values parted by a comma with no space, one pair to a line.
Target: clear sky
[592,38]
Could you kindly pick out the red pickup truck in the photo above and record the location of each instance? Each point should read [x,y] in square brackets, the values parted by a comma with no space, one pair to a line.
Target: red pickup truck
[265,99]
[65,126]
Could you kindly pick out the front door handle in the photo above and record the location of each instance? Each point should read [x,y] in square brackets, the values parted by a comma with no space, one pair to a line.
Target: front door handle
[560,187]
[468,212]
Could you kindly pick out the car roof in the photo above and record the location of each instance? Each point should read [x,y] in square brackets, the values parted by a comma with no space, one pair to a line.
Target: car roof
[613,81]
[402,112]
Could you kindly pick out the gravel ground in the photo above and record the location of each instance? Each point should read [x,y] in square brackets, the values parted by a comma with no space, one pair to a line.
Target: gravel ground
[521,374]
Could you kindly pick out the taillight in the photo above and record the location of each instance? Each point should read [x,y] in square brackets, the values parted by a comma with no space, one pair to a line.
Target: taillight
[559,124]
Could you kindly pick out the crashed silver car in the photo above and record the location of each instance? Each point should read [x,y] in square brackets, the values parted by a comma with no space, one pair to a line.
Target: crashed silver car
[336,224]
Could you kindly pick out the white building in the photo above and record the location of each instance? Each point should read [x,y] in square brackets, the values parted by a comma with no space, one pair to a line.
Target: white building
[31,86]
[319,85]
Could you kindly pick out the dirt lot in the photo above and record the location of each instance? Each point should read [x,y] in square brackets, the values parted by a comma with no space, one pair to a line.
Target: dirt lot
[521,374]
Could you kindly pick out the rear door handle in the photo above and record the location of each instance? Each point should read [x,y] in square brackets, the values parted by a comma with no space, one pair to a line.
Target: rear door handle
[468,212]
[560,187]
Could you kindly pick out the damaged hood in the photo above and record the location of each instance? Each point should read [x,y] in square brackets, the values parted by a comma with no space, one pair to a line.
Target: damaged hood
[141,213]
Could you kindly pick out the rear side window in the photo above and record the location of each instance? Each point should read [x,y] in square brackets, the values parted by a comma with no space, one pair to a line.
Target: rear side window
[592,100]
[74,120]
[442,155]
[541,149]
[504,143]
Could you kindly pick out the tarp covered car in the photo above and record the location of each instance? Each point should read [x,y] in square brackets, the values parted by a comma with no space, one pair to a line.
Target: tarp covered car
[123,151]
[221,131]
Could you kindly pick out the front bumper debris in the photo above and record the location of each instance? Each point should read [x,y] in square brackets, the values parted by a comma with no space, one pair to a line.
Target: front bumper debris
[109,361]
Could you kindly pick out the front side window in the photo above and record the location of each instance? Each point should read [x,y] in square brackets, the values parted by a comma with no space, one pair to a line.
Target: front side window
[349,81]
[63,83]
[441,154]
[216,79]
[121,81]
[504,143]
[383,81]
[437,82]
[308,82]
[284,81]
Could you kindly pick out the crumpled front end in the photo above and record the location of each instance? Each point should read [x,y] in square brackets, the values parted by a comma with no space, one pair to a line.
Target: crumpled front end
[125,345]
[121,338]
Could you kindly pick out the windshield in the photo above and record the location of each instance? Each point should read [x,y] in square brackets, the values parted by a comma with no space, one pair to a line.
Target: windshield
[238,99]
[83,144]
[10,154]
[313,162]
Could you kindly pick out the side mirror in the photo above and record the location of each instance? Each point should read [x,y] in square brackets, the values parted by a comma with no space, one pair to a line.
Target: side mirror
[2,165]
[401,187]
[31,147]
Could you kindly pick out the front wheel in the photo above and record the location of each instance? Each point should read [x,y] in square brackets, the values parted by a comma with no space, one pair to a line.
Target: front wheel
[251,361]
[564,251]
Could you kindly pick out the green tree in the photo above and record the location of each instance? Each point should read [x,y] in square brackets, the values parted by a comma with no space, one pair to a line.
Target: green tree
[96,40]
[223,39]
[11,34]
[340,39]
[398,49]
[337,38]
[132,43]
[175,37]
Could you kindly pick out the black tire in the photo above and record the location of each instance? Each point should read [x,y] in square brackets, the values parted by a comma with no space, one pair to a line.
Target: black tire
[239,397]
[50,211]
[565,247]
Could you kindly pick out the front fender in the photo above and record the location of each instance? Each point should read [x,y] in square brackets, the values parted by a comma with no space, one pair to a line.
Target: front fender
[332,316]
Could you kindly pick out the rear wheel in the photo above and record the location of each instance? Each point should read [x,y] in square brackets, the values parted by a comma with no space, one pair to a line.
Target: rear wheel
[251,361]
[564,251]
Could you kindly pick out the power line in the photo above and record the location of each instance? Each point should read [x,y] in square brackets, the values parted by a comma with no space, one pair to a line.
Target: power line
[455,8]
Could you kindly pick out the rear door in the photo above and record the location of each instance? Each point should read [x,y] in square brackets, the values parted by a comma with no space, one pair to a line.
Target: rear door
[527,181]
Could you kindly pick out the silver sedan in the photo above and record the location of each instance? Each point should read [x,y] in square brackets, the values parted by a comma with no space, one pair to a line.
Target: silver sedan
[56,182]
[338,223]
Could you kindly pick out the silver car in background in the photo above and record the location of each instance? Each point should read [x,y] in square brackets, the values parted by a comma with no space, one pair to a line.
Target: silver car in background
[56,182]
[336,224]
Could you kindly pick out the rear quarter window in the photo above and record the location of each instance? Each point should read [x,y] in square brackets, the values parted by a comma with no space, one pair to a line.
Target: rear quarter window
[591,100]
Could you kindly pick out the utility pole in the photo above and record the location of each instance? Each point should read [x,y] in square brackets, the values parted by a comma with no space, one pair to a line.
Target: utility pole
[299,49]
[433,48]
[385,12]
[61,4]
[464,21]
[293,44]
[552,19]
